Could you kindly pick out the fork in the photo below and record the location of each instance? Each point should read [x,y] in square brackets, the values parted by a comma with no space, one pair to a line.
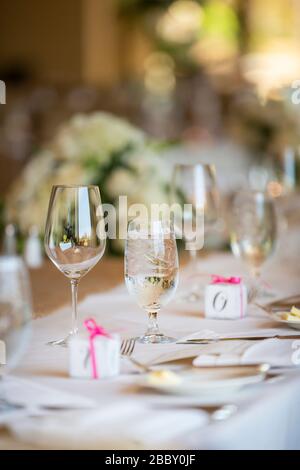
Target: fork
[6,405]
[127,348]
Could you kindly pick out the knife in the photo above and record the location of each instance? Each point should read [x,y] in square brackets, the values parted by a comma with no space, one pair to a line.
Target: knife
[248,338]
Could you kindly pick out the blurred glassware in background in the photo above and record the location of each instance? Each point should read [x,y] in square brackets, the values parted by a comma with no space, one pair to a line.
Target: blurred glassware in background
[194,186]
[259,176]
[287,167]
[279,175]
[10,240]
[33,251]
[15,308]
[253,232]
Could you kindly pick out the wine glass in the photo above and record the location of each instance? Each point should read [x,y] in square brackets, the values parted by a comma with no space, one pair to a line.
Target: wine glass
[253,231]
[151,270]
[74,236]
[194,188]
[15,316]
[286,168]
[279,175]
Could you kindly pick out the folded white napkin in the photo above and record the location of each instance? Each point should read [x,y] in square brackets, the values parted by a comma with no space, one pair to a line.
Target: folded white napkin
[123,425]
[152,354]
[35,399]
[31,393]
[276,352]
[221,353]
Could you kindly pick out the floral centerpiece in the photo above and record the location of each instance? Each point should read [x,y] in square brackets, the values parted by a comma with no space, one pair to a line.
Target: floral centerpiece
[96,149]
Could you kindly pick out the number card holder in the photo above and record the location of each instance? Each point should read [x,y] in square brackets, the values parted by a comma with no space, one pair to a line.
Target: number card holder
[226,298]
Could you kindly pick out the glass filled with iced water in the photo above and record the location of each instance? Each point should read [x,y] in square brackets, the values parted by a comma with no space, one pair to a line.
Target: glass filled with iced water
[151,270]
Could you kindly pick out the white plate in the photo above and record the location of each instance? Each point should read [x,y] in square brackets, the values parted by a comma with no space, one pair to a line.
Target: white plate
[277,316]
[199,381]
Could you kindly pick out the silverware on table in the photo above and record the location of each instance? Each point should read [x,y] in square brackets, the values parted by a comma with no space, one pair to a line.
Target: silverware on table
[11,406]
[235,338]
[127,348]
[223,412]
[6,405]
[216,412]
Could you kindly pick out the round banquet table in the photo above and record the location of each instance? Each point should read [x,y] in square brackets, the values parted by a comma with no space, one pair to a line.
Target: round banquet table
[271,420]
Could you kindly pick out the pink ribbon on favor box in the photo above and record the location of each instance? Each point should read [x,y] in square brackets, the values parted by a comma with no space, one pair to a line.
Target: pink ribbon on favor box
[94,330]
[215,279]
[225,280]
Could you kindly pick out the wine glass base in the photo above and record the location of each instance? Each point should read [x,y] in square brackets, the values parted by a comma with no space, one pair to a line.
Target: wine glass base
[189,297]
[61,342]
[155,339]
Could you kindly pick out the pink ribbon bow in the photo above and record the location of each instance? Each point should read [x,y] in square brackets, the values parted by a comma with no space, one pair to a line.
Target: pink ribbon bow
[225,280]
[94,330]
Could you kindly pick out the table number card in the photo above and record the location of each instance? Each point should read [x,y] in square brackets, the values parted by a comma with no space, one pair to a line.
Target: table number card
[226,299]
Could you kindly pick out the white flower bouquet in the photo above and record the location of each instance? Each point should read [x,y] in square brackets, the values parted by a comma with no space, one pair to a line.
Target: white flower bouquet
[96,149]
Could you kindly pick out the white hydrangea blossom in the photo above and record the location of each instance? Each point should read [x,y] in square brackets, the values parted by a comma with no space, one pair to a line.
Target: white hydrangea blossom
[97,135]
[94,137]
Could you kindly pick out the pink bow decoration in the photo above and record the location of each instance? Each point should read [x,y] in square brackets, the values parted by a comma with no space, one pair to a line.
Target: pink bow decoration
[225,280]
[94,330]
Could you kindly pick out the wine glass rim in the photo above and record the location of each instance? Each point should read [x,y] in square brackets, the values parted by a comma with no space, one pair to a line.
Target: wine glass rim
[191,164]
[150,221]
[74,186]
[150,224]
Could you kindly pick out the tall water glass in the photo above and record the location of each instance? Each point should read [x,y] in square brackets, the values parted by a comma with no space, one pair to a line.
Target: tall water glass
[151,271]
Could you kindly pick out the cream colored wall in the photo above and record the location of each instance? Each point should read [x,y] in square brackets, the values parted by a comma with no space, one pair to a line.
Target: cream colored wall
[45,34]
[62,40]
[100,42]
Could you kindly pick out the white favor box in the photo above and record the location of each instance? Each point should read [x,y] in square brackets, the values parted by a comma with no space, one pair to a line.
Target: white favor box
[107,354]
[226,301]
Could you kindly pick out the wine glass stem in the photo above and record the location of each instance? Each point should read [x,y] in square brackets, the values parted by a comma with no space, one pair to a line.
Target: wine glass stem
[193,256]
[74,288]
[255,274]
[152,324]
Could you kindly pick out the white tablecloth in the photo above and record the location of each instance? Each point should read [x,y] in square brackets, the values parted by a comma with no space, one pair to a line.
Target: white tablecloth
[268,415]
